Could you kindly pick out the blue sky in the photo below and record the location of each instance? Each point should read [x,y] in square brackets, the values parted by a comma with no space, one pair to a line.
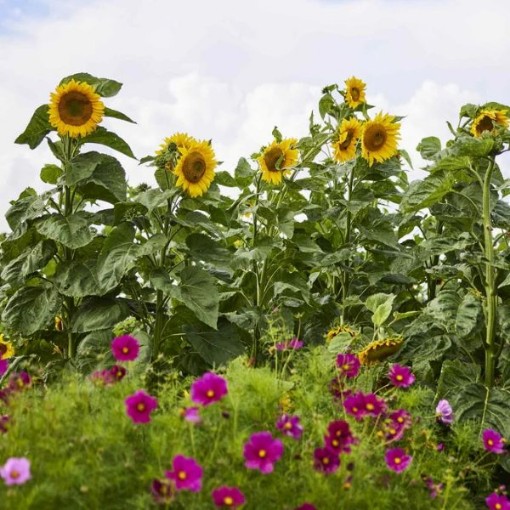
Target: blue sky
[230,70]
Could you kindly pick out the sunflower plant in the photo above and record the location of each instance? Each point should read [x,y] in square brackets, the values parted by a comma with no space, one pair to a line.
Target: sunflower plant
[67,254]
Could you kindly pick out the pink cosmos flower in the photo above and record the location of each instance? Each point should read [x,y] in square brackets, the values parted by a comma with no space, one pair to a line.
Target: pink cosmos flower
[361,404]
[16,471]
[117,372]
[325,460]
[140,405]
[19,381]
[208,389]
[433,487]
[186,473]
[4,366]
[290,426]
[292,344]
[262,451]
[348,364]
[163,491]
[493,441]
[102,377]
[339,437]
[401,376]
[497,501]
[397,459]
[444,412]
[125,348]
[396,424]
[191,414]
[228,497]
[306,506]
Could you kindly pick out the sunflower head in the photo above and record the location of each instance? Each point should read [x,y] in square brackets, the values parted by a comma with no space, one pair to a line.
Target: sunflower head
[344,146]
[337,330]
[380,349]
[278,159]
[354,92]
[75,109]
[195,168]
[180,140]
[488,120]
[379,138]
[6,348]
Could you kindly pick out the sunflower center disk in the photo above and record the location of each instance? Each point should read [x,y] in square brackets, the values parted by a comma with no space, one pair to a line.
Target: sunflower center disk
[485,124]
[375,138]
[355,93]
[274,159]
[194,167]
[75,108]
[348,139]
[3,349]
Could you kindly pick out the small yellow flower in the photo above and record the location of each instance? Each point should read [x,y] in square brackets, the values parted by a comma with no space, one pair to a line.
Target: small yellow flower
[379,350]
[278,159]
[488,120]
[354,91]
[6,348]
[75,109]
[379,138]
[348,134]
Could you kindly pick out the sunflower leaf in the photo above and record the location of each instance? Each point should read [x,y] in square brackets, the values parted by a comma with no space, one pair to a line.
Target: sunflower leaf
[104,87]
[109,112]
[38,127]
[72,231]
[104,137]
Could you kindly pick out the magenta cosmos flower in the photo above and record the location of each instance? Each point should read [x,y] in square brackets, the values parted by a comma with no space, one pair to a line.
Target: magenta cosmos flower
[348,364]
[361,404]
[16,471]
[4,366]
[228,497]
[140,405]
[401,376]
[262,451]
[397,459]
[444,412]
[208,389]
[186,473]
[292,344]
[306,506]
[396,424]
[339,437]
[125,348]
[191,414]
[290,426]
[497,502]
[493,441]
[325,460]
[19,381]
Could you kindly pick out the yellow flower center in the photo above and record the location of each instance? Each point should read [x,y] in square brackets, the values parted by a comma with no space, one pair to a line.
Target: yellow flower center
[345,367]
[354,409]
[125,350]
[273,159]
[288,425]
[355,93]
[490,442]
[325,460]
[370,407]
[400,419]
[399,377]
[262,453]
[182,475]
[335,442]
[140,407]
[498,506]
[75,108]
[392,432]
[210,393]
[227,500]
[15,474]
[397,460]
[375,137]
[194,167]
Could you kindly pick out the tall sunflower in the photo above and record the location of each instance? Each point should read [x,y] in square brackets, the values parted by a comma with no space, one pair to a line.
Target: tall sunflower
[344,146]
[354,91]
[181,140]
[278,159]
[195,168]
[488,120]
[75,109]
[379,138]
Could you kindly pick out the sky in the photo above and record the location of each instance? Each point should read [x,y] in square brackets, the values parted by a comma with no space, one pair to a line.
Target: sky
[230,70]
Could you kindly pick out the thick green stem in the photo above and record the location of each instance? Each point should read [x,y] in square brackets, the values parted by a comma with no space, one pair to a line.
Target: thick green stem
[490,279]
[347,240]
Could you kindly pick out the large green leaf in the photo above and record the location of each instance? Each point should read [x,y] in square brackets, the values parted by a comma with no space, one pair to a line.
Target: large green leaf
[429,147]
[456,374]
[422,194]
[243,173]
[380,305]
[204,248]
[97,313]
[104,86]
[31,309]
[108,112]
[38,127]
[72,231]
[468,315]
[199,293]
[104,137]
[78,279]
[29,205]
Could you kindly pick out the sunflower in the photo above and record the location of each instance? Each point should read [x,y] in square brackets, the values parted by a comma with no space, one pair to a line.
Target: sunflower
[195,168]
[337,330]
[348,135]
[354,92]
[181,140]
[488,120]
[380,349]
[6,348]
[277,160]
[379,138]
[75,109]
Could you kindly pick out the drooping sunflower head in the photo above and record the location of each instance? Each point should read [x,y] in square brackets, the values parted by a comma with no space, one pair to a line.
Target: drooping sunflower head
[195,168]
[379,138]
[75,109]
[380,349]
[278,159]
[354,92]
[344,146]
[487,120]
[6,348]
[337,330]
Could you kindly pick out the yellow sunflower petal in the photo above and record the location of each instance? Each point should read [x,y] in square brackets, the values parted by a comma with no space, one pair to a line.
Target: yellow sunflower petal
[278,159]
[487,120]
[344,147]
[181,140]
[75,109]
[6,348]
[195,168]
[379,350]
[355,91]
[379,138]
